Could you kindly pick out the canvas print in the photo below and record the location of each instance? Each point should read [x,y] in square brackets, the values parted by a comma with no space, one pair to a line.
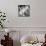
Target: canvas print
[23,10]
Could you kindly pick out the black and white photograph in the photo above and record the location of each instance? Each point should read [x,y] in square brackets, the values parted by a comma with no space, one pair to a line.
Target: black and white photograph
[23,10]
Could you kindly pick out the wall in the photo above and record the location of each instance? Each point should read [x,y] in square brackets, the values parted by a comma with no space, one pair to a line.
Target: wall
[37,17]
[36,21]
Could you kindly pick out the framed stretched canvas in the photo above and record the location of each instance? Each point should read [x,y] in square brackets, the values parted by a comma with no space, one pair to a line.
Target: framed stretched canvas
[23,10]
